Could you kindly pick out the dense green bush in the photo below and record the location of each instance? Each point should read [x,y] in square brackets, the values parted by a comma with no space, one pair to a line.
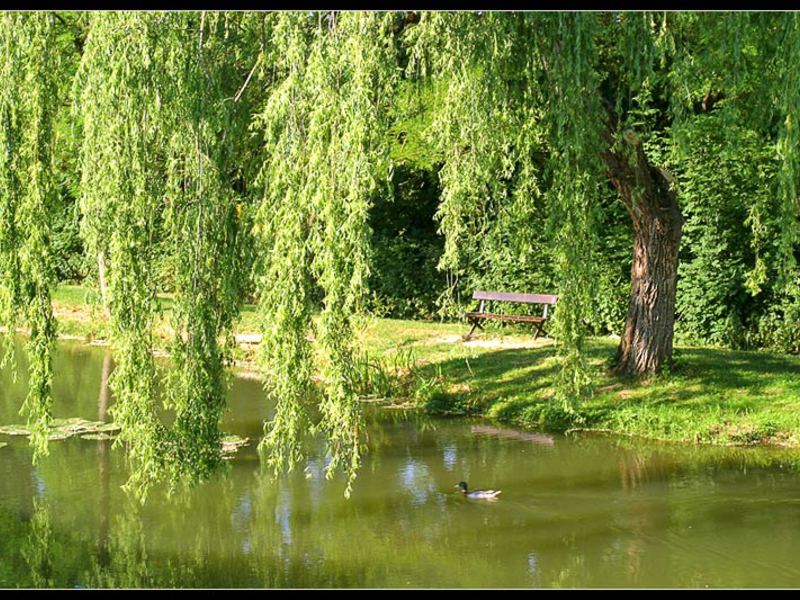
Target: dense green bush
[404,281]
[67,244]
[779,327]
[724,171]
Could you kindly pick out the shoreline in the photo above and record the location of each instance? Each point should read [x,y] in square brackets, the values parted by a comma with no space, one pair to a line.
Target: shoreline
[716,397]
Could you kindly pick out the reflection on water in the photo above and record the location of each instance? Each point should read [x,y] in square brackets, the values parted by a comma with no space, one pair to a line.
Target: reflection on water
[37,547]
[574,512]
[103,448]
[417,481]
[525,436]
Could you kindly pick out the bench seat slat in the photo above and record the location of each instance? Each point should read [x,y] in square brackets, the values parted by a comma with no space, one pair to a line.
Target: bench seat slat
[515,297]
[499,317]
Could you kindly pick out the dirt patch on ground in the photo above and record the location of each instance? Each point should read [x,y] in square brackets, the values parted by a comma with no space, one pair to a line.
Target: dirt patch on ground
[504,342]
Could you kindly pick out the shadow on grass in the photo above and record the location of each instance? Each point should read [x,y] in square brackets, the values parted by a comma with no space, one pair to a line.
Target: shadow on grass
[704,374]
[475,385]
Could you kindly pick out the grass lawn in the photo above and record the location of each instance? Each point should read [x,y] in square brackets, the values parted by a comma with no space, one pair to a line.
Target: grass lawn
[711,395]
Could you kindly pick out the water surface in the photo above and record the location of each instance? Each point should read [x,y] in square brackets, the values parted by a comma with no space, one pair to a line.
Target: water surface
[573,511]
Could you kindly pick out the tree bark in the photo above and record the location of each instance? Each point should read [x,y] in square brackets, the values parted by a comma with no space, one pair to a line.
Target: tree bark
[646,191]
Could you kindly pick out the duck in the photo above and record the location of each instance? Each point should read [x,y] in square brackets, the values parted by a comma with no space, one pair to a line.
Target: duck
[477,494]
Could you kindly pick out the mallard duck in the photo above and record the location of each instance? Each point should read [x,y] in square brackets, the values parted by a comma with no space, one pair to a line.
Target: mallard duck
[478,494]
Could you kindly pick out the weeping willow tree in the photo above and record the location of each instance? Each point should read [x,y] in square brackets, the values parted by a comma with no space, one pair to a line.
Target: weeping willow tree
[535,108]
[324,156]
[579,87]
[738,66]
[540,76]
[28,102]
[648,194]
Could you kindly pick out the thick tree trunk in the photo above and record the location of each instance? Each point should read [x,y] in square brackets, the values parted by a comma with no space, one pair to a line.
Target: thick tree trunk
[647,193]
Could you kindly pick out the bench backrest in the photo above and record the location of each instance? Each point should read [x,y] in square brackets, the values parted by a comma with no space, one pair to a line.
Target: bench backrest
[513,297]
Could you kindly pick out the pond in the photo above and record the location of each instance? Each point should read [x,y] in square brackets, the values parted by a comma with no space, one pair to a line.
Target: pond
[574,511]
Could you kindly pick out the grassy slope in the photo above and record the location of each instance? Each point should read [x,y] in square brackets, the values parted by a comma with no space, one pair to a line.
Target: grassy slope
[712,395]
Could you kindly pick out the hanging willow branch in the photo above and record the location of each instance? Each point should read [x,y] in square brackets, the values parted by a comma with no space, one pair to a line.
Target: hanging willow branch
[282,230]
[119,82]
[27,108]
[324,157]
[475,123]
[575,115]
[159,165]
[205,232]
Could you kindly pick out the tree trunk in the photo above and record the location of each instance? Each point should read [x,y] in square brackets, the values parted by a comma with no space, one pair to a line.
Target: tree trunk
[101,276]
[647,193]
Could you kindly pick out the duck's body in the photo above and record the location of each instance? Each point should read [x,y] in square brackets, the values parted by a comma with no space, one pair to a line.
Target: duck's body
[477,494]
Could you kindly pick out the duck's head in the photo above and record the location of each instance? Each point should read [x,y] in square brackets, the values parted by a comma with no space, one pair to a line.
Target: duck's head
[462,485]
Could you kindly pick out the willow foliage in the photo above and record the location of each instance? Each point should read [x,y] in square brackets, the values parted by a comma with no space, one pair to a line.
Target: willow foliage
[788,151]
[576,118]
[205,231]
[565,82]
[475,123]
[282,223]
[324,157]
[28,102]
[121,81]
[162,130]
[179,110]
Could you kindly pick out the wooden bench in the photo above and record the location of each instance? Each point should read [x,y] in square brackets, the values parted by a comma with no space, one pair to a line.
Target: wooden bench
[475,318]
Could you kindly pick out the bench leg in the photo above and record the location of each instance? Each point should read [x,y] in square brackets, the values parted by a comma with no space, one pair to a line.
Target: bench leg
[539,330]
[471,331]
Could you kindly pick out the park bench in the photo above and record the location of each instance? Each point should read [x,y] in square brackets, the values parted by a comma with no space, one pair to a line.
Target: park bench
[475,318]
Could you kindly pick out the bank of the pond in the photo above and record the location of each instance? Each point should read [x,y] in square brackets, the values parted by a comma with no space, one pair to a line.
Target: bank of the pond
[711,396]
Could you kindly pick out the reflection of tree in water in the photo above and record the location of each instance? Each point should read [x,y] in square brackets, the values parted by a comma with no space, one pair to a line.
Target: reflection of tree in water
[638,466]
[646,512]
[103,475]
[37,548]
[126,561]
